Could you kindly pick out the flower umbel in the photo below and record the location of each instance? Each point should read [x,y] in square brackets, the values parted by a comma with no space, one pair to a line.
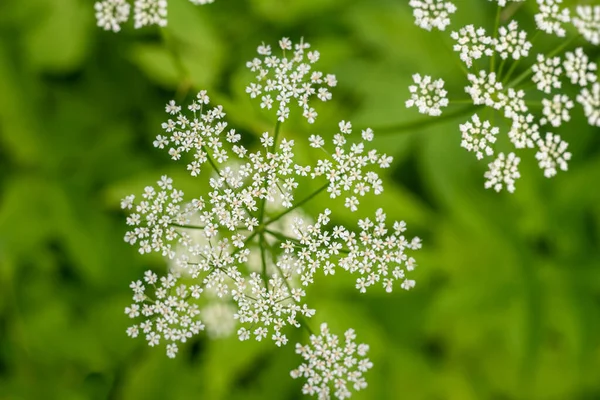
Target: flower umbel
[507,94]
[331,366]
[242,254]
[111,14]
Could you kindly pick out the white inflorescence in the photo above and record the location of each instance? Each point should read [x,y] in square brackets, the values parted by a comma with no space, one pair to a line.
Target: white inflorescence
[587,23]
[110,14]
[551,17]
[383,261]
[557,110]
[477,136]
[167,314]
[546,73]
[331,367]
[552,153]
[512,42]
[427,95]
[240,255]
[431,14]
[472,44]
[503,172]
[579,69]
[486,90]
[289,78]
[503,74]
[590,101]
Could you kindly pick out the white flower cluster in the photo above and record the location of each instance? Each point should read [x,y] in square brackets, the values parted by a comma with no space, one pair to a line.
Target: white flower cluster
[374,254]
[503,172]
[477,136]
[331,366]
[283,79]
[243,244]
[431,14]
[587,23]
[427,95]
[493,85]
[110,14]
[551,17]
[168,314]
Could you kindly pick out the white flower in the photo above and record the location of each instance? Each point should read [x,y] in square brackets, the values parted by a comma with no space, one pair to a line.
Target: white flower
[503,172]
[556,111]
[512,42]
[285,79]
[110,14]
[523,131]
[431,14]
[552,154]
[590,100]
[587,23]
[579,69]
[486,90]
[331,368]
[346,170]
[167,314]
[551,17]
[477,136]
[377,254]
[472,44]
[427,95]
[547,73]
[149,12]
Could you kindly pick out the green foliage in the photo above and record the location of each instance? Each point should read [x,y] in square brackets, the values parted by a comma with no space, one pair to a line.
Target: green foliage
[507,303]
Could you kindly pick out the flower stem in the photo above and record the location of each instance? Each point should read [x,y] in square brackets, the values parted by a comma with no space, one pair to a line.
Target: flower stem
[529,71]
[299,204]
[425,122]
[261,244]
[496,26]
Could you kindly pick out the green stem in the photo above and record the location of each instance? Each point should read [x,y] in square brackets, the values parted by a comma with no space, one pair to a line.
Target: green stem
[299,204]
[496,26]
[425,122]
[554,52]
[265,277]
[187,226]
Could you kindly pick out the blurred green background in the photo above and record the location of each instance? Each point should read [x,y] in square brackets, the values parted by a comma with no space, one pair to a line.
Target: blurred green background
[507,302]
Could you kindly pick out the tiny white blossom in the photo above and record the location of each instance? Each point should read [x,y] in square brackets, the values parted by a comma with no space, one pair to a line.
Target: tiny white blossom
[590,100]
[427,95]
[289,78]
[579,69]
[167,315]
[332,368]
[523,131]
[486,90]
[149,12]
[552,154]
[477,136]
[503,172]
[557,110]
[551,17]
[472,44]
[512,42]
[110,14]
[587,23]
[547,72]
[431,14]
